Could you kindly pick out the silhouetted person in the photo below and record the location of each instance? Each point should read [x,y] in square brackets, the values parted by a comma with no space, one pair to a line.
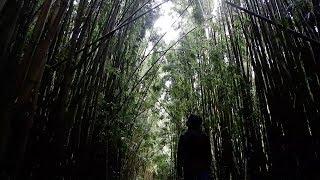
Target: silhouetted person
[194,152]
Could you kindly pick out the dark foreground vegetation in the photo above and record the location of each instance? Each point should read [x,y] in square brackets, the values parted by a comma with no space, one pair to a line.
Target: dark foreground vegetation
[89,90]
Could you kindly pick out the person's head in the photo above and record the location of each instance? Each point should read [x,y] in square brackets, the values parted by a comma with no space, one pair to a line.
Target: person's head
[194,122]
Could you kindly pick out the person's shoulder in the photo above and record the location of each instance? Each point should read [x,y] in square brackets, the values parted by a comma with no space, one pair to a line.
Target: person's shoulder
[183,134]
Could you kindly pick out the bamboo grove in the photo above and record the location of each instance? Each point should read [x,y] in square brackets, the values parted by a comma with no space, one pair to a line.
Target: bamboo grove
[253,75]
[65,103]
[89,90]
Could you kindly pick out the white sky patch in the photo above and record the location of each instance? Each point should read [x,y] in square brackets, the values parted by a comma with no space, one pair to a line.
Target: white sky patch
[162,96]
[166,22]
[169,20]
[149,48]
[166,150]
[215,8]
[168,83]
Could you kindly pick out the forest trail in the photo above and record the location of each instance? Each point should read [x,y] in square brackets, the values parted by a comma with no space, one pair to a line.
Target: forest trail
[101,89]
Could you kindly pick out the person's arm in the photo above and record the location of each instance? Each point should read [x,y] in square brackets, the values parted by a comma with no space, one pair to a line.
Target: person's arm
[180,158]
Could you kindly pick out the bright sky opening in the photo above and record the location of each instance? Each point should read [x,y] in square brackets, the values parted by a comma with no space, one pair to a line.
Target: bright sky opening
[166,22]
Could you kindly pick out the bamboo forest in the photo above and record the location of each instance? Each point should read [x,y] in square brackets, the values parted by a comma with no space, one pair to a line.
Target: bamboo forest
[102,89]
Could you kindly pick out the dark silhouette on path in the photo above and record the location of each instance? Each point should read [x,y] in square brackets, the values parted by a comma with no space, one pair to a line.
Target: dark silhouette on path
[194,155]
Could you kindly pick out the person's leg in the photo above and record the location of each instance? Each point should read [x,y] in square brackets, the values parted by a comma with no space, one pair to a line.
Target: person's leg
[203,176]
[189,176]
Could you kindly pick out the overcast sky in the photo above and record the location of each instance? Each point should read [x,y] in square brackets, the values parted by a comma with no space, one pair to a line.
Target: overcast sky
[165,22]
